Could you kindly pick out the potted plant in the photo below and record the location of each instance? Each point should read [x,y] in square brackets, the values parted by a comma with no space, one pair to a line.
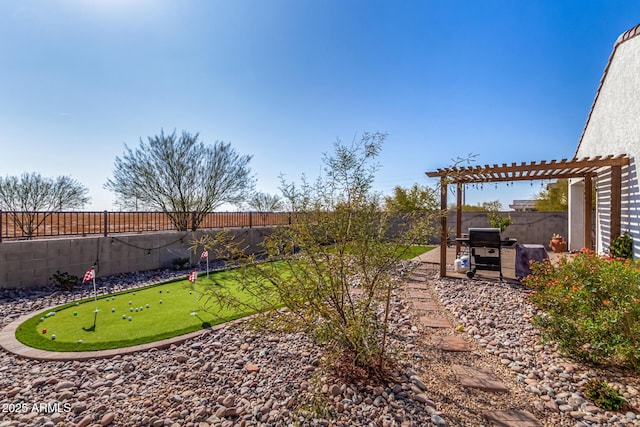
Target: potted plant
[557,243]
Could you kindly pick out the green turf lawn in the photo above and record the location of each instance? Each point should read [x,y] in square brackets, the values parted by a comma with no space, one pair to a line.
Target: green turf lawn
[168,314]
[414,251]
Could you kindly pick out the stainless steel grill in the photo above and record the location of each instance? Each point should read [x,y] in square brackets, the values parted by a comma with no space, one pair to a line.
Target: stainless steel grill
[485,250]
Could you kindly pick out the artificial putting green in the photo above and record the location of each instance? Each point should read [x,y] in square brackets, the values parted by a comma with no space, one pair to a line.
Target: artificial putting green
[133,317]
[78,327]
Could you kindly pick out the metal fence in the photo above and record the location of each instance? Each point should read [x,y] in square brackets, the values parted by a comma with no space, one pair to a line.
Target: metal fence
[29,225]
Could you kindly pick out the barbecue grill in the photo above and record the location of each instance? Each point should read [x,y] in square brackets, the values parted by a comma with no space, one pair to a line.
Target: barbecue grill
[485,247]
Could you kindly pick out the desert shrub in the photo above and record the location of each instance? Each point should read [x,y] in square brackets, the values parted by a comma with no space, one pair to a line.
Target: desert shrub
[603,395]
[64,281]
[336,263]
[590,306]
[180,263]
[499,221]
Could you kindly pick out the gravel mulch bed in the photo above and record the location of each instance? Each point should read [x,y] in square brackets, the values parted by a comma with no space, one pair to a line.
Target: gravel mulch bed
[237,376]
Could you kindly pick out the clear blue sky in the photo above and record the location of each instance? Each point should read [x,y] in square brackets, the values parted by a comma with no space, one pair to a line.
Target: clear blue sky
[510,80]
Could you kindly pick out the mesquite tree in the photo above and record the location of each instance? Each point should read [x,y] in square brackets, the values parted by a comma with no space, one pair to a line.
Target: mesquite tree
[31,198]
[181,176]
[335,264]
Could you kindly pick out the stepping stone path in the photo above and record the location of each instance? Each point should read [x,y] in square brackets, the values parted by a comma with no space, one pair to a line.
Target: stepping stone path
[422,298]
[435,322]
[419,295]
[511,419]
[418,286]
[425,305]
[452,343]
[479,378]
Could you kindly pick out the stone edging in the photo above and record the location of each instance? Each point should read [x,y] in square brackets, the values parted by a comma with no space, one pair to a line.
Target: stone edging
[9,343]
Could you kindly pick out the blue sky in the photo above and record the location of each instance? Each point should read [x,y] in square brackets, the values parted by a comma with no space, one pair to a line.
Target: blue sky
[511,81]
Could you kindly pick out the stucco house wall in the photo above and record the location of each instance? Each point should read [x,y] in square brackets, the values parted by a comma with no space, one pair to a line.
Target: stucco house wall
[613,127]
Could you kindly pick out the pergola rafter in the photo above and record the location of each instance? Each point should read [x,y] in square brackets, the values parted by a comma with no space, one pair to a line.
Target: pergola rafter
[585,168]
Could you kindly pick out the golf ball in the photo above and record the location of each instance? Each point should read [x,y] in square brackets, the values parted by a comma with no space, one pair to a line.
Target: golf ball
[130,302]
[160,301]
[124,316]
[136,309]
[134,293]
[53,336]
[79,341]
[147,305]
[113,310]
[131,309]
[167,290]
[42,319]
[129,318]
[160,290]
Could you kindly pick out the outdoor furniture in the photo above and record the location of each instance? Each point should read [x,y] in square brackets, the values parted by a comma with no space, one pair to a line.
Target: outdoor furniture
[525,254]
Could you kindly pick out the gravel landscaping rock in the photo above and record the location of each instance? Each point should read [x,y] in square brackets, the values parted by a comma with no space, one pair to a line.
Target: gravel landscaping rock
[236,376]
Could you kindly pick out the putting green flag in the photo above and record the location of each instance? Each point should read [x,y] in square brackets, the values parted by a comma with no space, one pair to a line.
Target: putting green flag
[91,275]
[192,278]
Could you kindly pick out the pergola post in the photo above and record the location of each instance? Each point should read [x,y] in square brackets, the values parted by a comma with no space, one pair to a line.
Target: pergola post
[587,210]
[616,202]
[459,215]
[443,226]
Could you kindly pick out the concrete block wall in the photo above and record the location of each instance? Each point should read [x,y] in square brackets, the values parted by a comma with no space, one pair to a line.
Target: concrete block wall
[25,264]
[31,263]
[527,227]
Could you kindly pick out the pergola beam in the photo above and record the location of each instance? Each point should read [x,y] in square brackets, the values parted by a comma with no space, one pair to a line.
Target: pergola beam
[585,168]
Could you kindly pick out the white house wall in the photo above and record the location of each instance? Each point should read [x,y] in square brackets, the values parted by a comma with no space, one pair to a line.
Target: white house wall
[613,127]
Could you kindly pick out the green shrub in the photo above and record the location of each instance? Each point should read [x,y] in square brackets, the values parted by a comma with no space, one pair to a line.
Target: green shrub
[498,221]
[603,395]
[622,246]
[180,263]
[590,307]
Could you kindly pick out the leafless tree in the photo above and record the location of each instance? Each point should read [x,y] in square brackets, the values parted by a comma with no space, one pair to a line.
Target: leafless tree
[182,177]
[31,198]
